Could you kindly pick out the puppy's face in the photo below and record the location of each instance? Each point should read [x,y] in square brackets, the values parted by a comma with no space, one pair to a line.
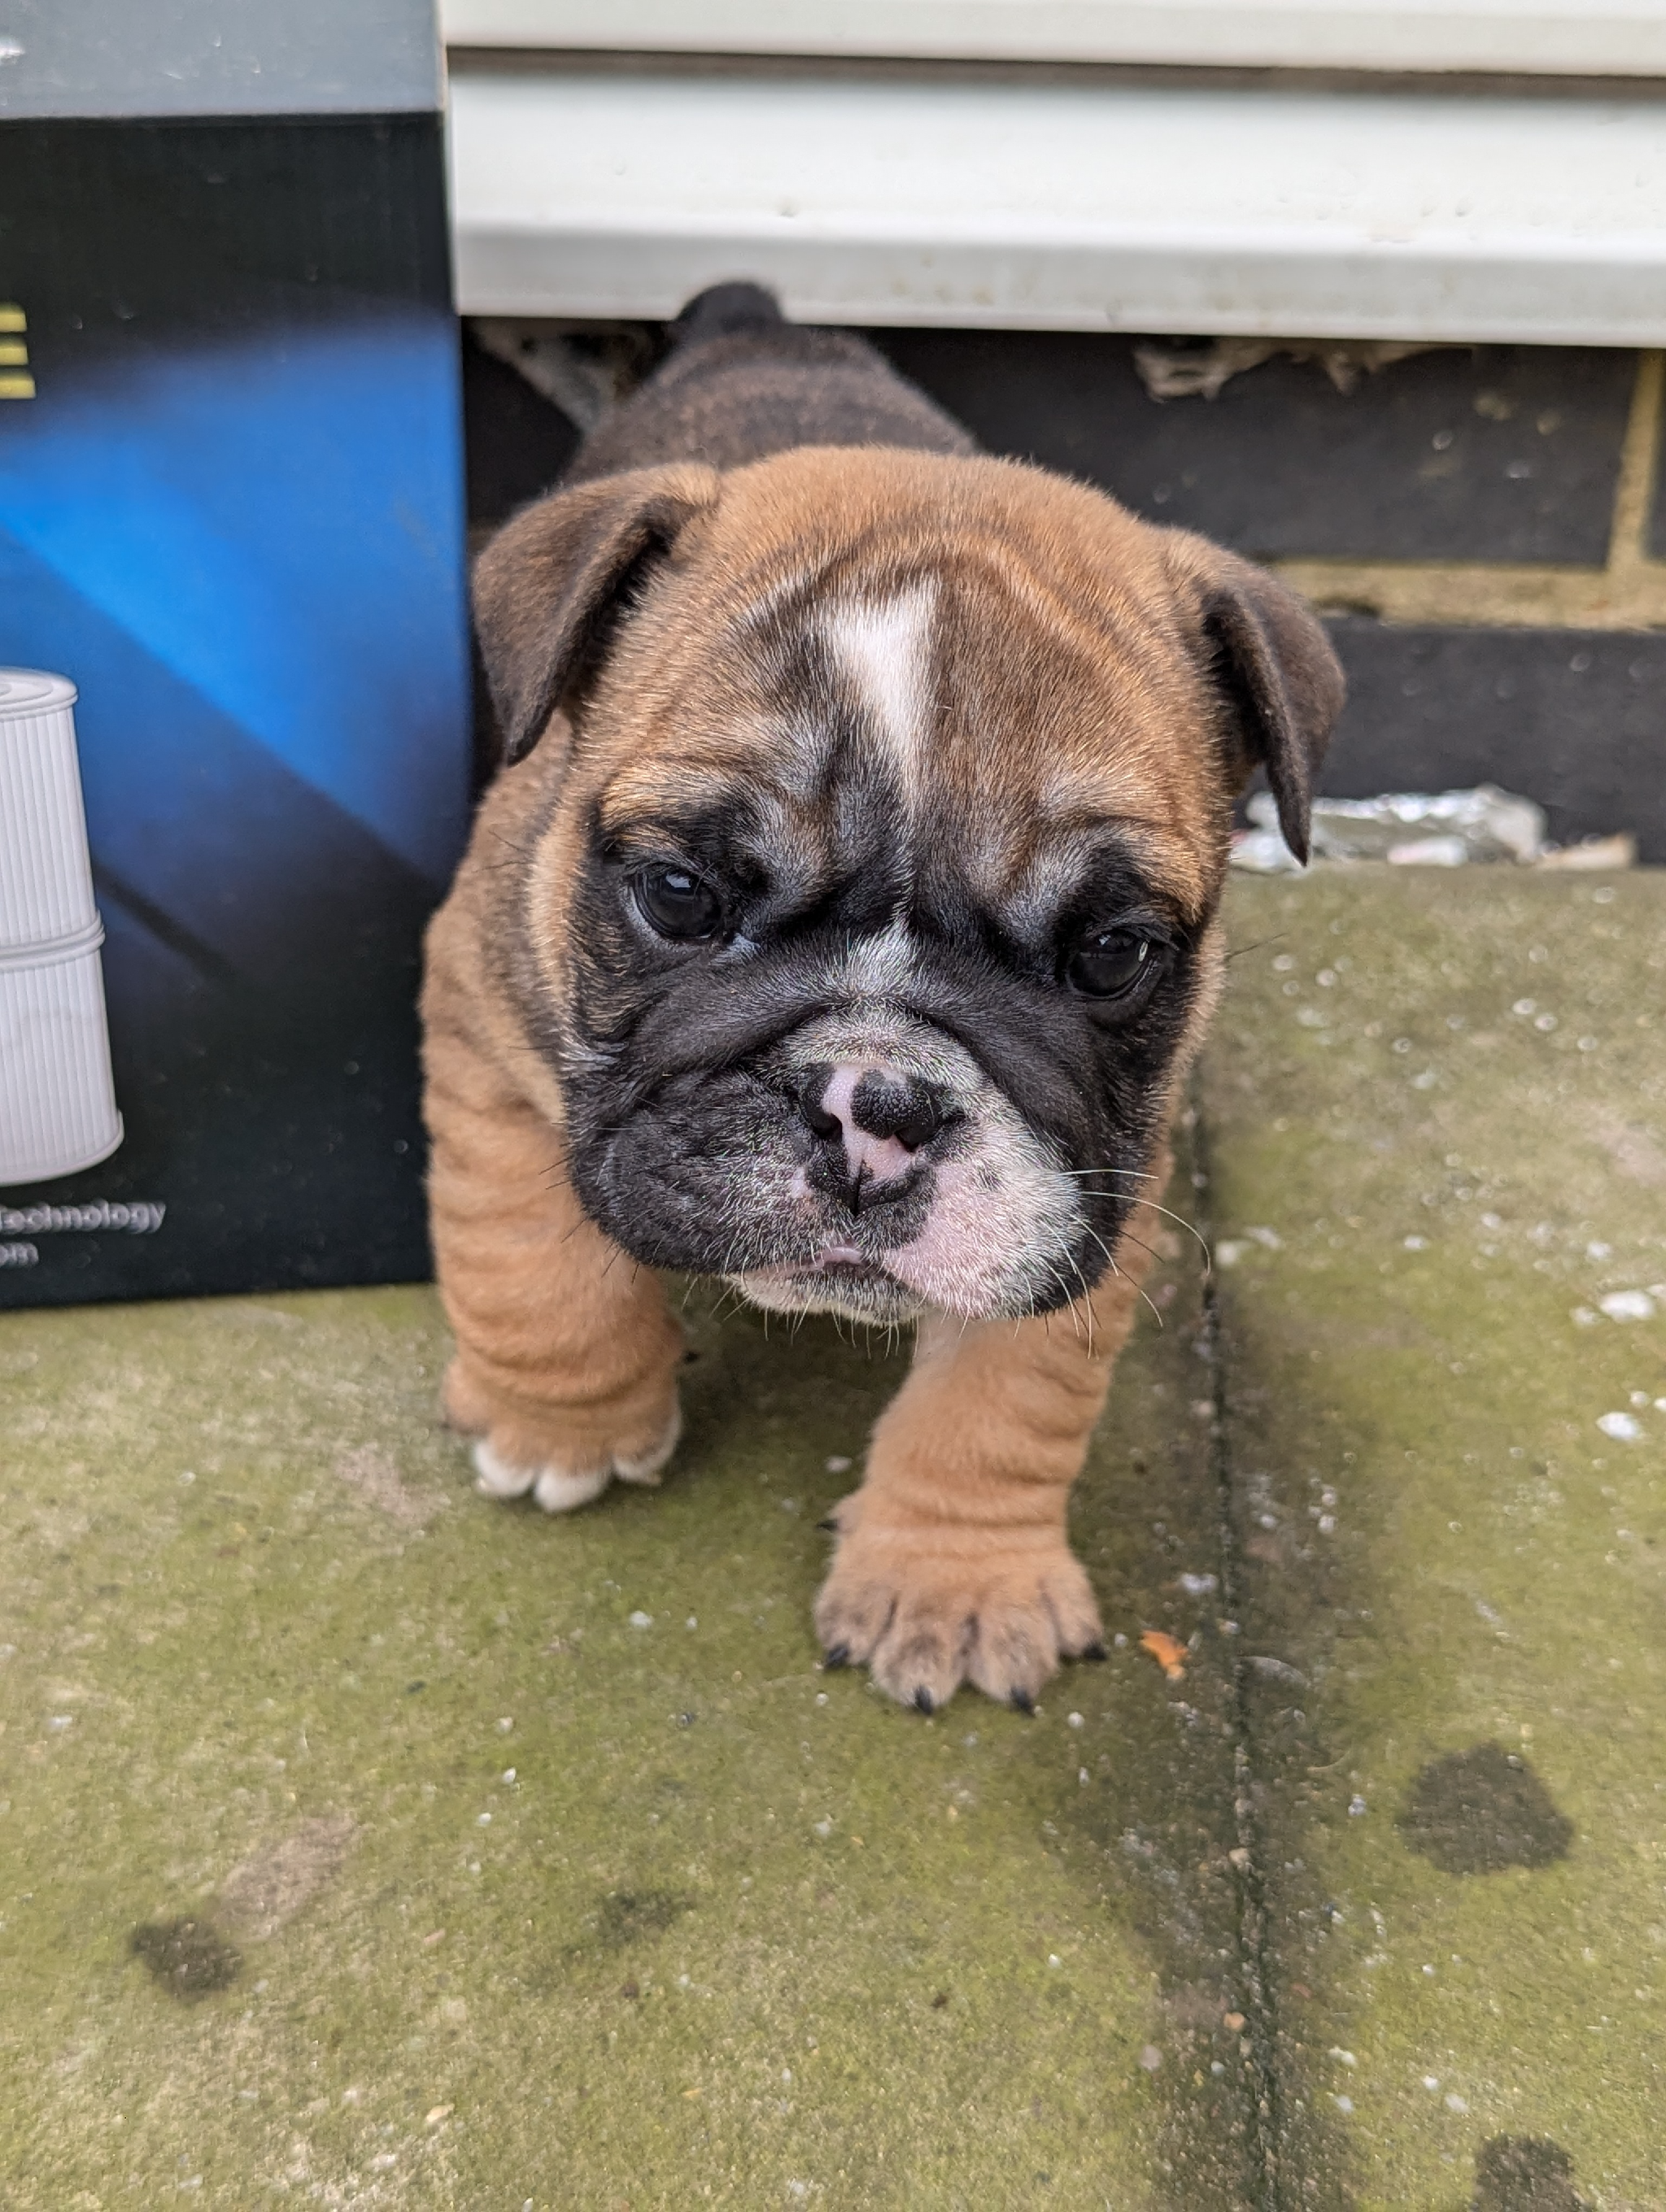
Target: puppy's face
[869,920]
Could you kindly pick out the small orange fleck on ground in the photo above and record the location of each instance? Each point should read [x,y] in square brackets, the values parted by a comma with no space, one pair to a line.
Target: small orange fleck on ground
[1170,1655]
[1234,2020]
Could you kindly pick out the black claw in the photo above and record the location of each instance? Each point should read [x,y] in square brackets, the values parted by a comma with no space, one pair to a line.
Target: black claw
[837,1658]
[1023,1702]
[1093,1651]
[829,1526]
[922,1699]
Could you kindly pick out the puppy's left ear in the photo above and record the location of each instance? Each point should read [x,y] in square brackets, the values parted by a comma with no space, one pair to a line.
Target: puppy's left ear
[1282,683]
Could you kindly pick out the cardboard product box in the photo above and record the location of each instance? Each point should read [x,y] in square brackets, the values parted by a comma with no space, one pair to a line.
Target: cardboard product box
[234,726]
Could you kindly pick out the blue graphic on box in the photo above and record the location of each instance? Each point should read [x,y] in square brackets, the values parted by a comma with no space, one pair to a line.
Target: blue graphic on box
[249,558]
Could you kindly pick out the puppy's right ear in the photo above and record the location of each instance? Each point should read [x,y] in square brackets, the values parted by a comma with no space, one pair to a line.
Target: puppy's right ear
[547,587]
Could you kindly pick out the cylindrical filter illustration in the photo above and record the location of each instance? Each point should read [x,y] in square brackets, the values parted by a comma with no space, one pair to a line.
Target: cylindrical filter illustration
[58,1101]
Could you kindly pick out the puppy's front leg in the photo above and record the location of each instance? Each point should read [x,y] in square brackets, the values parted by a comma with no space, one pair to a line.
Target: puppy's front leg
[566,1365]
[953,1562]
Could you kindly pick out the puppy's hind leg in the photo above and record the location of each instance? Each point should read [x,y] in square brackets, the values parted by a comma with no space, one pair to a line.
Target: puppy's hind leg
[566,1364]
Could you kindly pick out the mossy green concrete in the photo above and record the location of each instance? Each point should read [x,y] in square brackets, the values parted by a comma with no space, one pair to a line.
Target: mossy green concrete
[278,1922]
[1441,1102]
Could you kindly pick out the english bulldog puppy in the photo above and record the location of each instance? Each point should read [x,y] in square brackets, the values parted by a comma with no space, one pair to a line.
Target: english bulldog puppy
[842,924]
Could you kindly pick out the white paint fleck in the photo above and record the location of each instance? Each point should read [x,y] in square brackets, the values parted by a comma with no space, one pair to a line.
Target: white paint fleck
[1627,1305]
[1199,1585]
[1624,1428]
[642,1621]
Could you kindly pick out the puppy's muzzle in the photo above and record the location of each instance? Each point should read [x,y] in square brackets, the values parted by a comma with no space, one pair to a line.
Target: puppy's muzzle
[870,1121]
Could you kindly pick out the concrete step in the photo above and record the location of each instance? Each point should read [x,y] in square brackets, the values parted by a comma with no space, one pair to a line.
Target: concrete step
[1438,1108]
[281,1923]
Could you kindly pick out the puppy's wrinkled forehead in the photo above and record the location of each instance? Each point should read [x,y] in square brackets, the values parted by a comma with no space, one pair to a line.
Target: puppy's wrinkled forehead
[951,711]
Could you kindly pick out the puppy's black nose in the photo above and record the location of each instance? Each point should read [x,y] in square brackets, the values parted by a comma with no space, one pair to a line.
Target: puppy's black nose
[877,1117]
[896,1106]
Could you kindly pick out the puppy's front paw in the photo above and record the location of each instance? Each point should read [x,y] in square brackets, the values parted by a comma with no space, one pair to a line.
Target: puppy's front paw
[926,1610]
[504,1468]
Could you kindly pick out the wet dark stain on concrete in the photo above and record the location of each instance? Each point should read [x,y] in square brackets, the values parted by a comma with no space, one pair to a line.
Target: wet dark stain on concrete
[1480,1810]
[626,1915]
[189,1959]
[1525,2173]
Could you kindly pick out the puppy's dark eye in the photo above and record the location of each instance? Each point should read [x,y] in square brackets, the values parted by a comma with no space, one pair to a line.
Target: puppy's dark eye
[677,904]
[1108,963]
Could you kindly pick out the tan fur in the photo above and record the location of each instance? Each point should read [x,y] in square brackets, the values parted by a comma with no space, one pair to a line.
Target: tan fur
[1066,636]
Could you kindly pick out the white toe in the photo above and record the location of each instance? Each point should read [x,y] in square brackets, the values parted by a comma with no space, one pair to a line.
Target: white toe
[496,1478]
[646,1469]
[558,1491]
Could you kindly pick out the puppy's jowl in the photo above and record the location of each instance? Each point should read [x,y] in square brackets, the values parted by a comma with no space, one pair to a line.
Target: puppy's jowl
[842,924]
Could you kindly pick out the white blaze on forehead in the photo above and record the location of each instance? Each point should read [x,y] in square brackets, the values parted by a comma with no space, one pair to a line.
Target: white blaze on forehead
[883,648]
